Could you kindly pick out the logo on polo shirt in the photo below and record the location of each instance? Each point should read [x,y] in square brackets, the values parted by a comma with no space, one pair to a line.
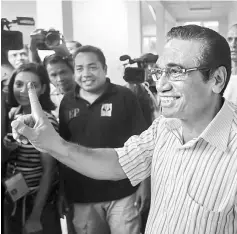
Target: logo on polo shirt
[73,113]
[106,109]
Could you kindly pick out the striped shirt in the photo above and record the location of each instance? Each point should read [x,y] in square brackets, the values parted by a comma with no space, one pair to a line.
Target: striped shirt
[193,185]
[26,159]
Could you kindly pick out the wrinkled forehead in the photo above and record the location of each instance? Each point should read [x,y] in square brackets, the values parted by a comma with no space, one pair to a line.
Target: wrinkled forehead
[185,53]
[11,52]
[232,32]
[57,66]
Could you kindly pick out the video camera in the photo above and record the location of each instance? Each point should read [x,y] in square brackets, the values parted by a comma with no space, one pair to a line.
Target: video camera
[13,40]
[137,74]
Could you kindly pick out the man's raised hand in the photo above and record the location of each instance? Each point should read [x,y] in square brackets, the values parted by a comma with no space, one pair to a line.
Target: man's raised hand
[35,127]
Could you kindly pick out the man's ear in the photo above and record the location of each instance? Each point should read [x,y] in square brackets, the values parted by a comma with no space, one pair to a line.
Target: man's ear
[105,69]
[219,77]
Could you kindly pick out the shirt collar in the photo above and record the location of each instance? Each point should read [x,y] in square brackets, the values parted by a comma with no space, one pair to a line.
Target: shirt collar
[218,130]
[111,88]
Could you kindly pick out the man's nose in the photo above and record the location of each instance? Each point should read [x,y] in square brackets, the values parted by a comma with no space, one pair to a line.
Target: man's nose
[59,78]
[163,84]
[86,72]
[233,43]
[19,57]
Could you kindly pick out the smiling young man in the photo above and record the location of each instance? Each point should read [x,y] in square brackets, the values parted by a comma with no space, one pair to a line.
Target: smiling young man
[190,152]
[99,114]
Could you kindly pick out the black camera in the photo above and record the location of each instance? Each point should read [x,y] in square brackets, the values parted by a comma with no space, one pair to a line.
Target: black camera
[13,40]
[137,74]
[51,38]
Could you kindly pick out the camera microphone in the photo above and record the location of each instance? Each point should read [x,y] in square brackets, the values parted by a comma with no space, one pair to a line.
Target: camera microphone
[124,57]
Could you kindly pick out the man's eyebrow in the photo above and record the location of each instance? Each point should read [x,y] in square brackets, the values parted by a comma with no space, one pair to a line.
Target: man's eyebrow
[90,64]
[173,65]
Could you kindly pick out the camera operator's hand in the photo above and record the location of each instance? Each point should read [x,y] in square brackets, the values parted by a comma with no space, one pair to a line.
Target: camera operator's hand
[60,49]
[35,127]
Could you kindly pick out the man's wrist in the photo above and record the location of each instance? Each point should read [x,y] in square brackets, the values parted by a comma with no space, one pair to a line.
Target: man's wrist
[58,147]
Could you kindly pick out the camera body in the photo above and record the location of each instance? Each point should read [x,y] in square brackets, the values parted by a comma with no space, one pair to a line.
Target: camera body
[138,74]
[51,38]
[134,75]
[13,40]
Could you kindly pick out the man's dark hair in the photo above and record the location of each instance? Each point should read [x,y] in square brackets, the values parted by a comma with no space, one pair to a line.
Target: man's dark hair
[40,71]
[55,58]
[92,49]
[215,50]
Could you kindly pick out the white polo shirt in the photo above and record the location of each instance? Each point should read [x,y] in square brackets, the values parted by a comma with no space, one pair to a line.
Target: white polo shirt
[231,90]
[193,185]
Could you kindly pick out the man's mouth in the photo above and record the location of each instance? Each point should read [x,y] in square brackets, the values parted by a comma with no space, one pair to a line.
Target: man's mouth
[167,101]
[87,82]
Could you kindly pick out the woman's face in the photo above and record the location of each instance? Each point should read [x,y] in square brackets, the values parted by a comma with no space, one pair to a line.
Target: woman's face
[20,87]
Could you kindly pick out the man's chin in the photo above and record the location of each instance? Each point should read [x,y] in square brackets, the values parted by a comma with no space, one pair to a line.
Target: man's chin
[169,113]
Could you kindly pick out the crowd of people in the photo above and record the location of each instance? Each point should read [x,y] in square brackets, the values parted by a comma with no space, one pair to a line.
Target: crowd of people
[76,145]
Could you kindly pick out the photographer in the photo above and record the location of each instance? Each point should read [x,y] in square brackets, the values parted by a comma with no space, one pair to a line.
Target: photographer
[58,65]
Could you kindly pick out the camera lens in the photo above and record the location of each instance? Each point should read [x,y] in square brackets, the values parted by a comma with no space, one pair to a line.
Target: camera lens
[52,39]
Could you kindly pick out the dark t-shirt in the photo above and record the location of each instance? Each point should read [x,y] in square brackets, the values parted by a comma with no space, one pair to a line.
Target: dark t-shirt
[107,123]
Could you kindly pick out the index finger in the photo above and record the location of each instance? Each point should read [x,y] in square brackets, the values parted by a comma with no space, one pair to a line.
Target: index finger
[36,108]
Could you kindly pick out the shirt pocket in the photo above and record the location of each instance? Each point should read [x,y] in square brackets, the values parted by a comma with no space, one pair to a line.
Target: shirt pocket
[199,218]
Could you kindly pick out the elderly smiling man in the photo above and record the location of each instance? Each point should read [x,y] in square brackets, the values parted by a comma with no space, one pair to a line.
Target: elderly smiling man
[190,151]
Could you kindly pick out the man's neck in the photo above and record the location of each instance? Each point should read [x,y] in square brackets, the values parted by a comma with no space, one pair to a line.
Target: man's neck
[66,91]
[234,67]
[92,96]
[193,129]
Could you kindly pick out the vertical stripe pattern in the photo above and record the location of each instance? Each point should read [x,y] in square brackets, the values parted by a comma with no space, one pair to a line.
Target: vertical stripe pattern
[194,185]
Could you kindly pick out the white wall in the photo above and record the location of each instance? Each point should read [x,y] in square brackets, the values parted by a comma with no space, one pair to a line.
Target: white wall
[13,9]
[113,26]
[164,22]
[232,17]
[149,30]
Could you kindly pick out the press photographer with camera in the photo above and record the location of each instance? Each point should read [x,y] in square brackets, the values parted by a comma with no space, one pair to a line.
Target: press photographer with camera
[59,65]
[137,81]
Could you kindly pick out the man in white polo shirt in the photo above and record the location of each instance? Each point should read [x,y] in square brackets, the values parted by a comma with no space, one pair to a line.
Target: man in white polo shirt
[190,152]
[231,90]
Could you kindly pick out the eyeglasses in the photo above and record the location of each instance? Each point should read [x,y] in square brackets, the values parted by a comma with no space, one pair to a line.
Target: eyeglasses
[175,73]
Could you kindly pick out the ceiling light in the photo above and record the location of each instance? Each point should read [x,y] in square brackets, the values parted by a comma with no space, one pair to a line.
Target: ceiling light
[201,9]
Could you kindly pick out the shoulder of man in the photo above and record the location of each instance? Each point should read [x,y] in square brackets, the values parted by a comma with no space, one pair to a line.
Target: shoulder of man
[68,97]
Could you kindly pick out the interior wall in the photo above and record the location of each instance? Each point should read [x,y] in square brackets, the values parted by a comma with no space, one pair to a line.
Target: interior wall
[13,9]
[113,26]
[232,17]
